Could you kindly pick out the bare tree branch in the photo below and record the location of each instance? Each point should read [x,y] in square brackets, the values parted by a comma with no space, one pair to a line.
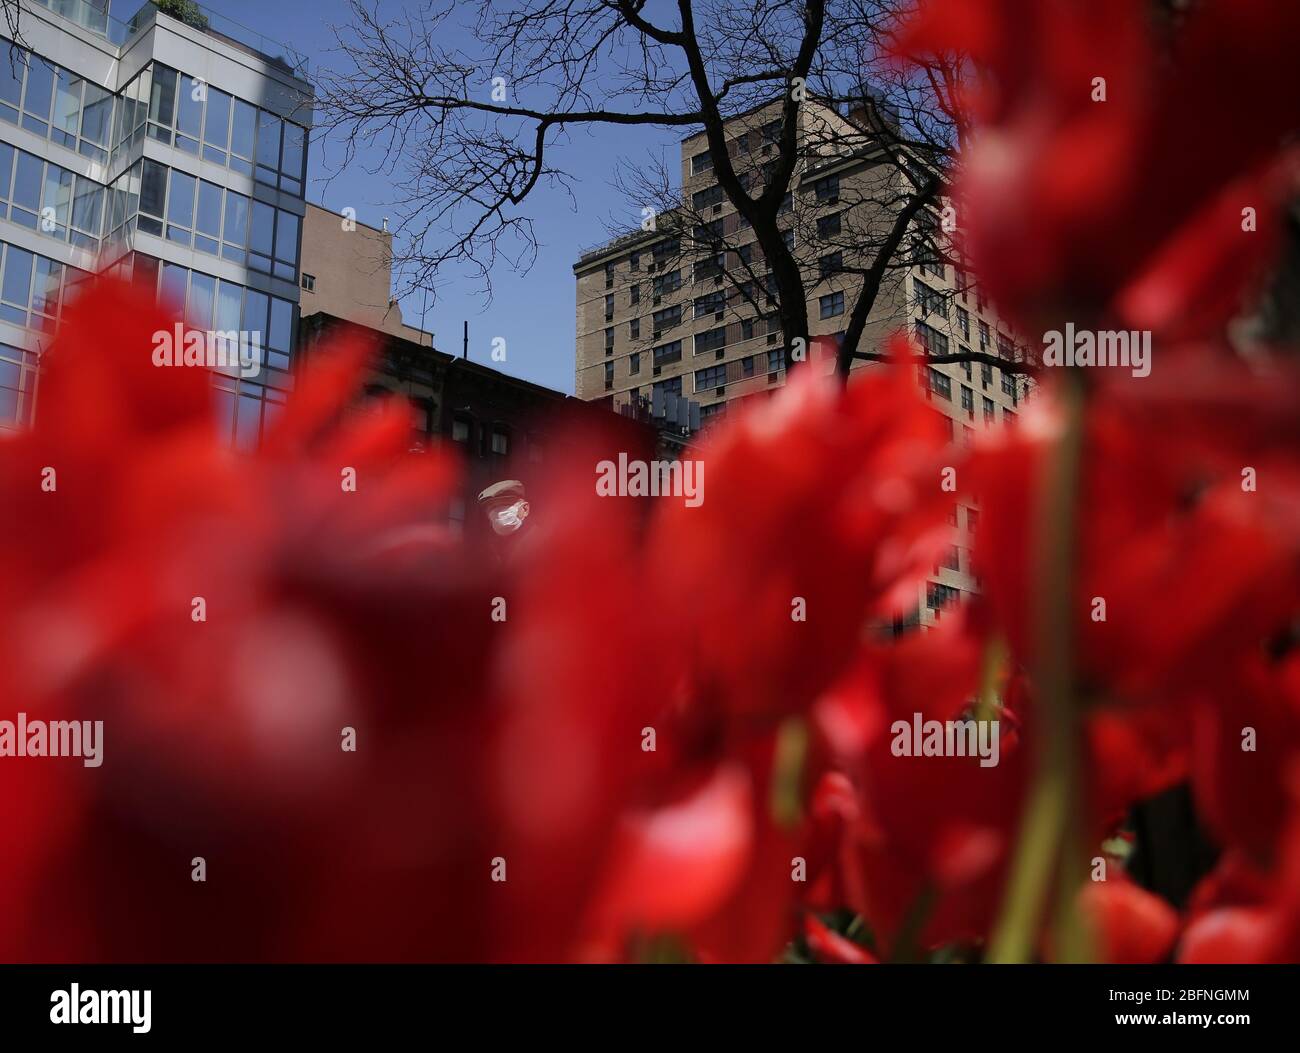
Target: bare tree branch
[472,136]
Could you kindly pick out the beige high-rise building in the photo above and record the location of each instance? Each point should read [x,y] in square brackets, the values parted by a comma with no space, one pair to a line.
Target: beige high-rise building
[348,273]
[683,307]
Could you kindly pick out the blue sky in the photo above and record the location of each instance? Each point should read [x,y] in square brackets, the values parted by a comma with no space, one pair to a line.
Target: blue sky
[533,312]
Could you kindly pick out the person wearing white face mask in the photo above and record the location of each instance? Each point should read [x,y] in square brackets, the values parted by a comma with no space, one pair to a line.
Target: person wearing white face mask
[505,506]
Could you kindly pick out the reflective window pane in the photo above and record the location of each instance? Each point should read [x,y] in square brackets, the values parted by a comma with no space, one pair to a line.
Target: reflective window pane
[236,229]
[45,293]
[180,199]
[56,196]
[208,217]
[229,302]
[18,276]
[189,106]
[198,310]
[294,156]
[11,80]
[268,139]
[216,124]
[281,328]
[263,228]
[153,188]
[40,86]
[243,129]
[27,182]
[255,313]
[286,237]
[88,206]
[97,115]
[162,99]
[6,170]
[67,103]
[173,285]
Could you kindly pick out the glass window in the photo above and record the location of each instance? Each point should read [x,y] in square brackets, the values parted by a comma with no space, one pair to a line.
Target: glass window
[255,305]
[286,237]
[121,114]
[189,106]
[27,188]
[828,225]
[40,86]
[180,200]
[216,126]
[96,117]
[711,339]
[236,231]
[88,206]
[153,191]
[67,107]
[208,218]
[198,309]
[11,81]
[291,164]
[45,294]
[268,145]
[827,190]
[230,299]
[117,202]
[56,196]
[280,334]
[17,280]
[243,131]
[173,285]
[6,171]
[10,381]
[831,304]
[145,273]
[707,198]
[162,99]
[668,353]
[137,101]
[254,324]
[262,235]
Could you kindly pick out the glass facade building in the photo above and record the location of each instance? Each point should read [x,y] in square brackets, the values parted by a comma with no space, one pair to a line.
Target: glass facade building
[171,153]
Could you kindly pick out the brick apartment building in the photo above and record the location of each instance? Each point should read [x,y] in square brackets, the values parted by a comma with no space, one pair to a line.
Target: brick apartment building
[681,308]
[505,427]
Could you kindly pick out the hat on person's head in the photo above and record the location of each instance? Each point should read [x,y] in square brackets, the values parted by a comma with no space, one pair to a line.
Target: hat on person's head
[507,489]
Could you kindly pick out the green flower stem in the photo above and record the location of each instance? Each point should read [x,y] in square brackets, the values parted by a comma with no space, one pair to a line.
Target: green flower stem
[1050,845]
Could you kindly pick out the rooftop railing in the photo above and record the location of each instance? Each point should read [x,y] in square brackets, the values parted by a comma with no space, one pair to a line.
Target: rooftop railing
[93,15]
[228,30]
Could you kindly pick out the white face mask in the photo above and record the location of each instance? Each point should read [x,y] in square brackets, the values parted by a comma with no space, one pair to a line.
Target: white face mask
[509,519]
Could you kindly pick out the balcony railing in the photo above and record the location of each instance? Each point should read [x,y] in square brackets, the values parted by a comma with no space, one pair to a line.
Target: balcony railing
[231,32]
